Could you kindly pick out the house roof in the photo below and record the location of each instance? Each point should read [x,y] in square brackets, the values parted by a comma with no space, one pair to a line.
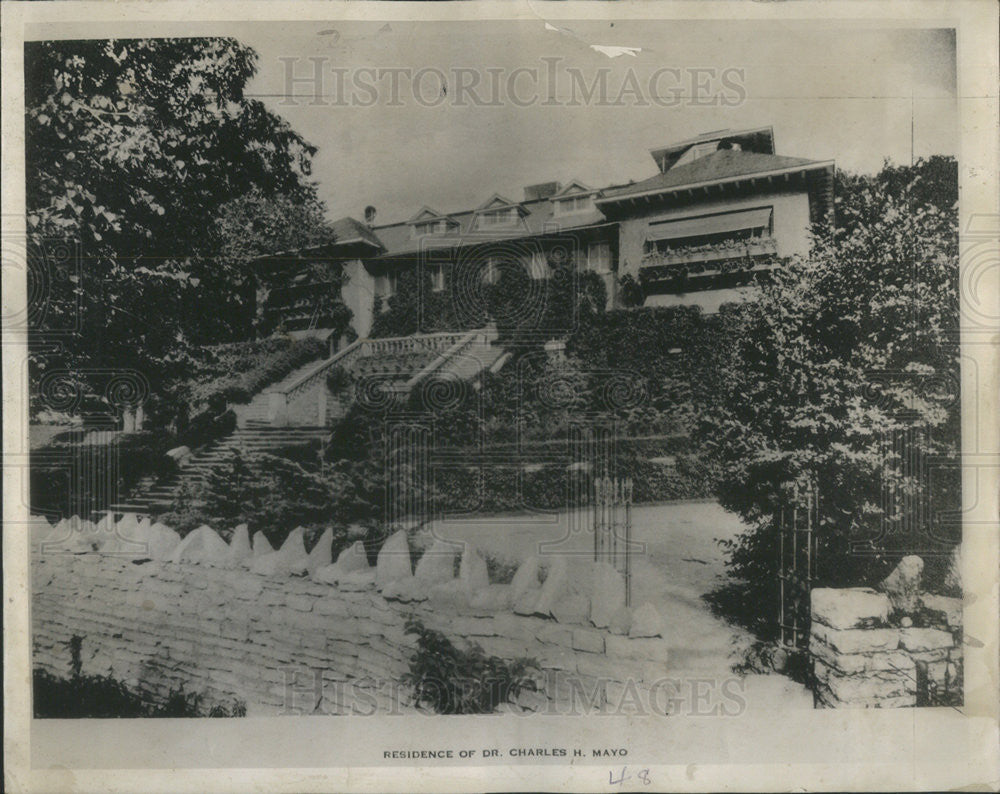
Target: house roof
[721,166]
[348,230]
[759,140]
[536,218]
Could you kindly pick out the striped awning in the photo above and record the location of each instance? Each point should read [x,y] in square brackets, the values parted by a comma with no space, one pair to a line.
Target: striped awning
[705,225]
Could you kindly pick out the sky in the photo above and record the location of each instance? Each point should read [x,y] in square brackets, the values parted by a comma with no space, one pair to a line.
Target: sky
[844,93]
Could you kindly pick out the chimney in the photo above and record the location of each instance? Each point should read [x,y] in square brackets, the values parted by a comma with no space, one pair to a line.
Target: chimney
[541,191]
[370,215]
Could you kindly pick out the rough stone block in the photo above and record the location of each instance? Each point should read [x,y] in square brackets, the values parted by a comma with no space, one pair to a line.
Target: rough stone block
[849,607]
[644,649]
[493,597]
[857,640]
[925,639]
[357,581]
[591,641]
[646,622]
[869,686]
[572,609]
[607,594]
[300,602]
[951,608]
[525,603]
[621,621]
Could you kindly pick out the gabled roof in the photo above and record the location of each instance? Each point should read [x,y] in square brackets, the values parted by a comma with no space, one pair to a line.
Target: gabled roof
[496,201]
[574,186]
[725,165]
[428,214]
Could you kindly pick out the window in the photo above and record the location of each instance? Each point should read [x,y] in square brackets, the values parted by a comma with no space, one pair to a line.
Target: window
[490,270]
[437,278]
[501,217]
[569,206]
[388,284]
[599,257]
[442,226]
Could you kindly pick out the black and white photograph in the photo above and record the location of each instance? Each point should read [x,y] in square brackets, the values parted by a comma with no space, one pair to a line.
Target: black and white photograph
[627,379]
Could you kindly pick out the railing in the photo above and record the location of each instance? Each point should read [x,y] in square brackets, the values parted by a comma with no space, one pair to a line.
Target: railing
[718,252]
[412,344]
[281,398]
[449,344]
[461,344]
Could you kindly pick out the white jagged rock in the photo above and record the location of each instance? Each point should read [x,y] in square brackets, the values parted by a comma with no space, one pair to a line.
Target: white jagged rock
[437,563]
[240,548]
[525,579]
[202,546]
[572,608]
[261,545]
[289,560]
[393,561]
[161,541]
[473,571]
[555,586]
[322,553]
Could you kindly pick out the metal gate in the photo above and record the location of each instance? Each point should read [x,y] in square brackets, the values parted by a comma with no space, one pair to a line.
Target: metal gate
[613,526]
[797,521]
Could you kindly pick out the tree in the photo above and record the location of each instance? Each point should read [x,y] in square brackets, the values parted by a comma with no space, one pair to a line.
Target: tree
[134,150]
[845,369]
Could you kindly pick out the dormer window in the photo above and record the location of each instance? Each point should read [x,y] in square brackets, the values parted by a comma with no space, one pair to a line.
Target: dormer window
[573,199]
[434,227]
[498,213]
[573,205]
[429,222]
[502,217]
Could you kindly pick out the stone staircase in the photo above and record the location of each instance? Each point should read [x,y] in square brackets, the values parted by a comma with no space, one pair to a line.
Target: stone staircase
[298,409]
[155,496]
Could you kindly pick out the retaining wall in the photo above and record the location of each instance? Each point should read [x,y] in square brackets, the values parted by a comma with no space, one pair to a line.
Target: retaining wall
[286,645]
[864,655]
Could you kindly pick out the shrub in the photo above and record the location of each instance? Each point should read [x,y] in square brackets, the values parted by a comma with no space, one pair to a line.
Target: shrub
[237,378]
[846,368]
[57,490]
[207,427]
[454,681]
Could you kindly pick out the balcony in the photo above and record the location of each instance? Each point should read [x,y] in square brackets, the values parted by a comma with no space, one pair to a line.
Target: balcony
[710,259]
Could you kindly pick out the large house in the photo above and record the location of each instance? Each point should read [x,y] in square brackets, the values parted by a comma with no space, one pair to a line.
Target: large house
[721,211]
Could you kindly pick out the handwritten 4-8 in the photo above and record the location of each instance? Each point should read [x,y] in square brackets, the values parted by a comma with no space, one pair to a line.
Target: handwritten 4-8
[642,774]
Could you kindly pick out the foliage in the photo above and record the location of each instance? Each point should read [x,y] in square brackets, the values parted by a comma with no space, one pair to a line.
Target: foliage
[524,310]
[227,379]
[57,489]
[268,493]
[134,149]
[207,426]
[455,681]
[844,369]
[631,291]
[338,379]
[94,697]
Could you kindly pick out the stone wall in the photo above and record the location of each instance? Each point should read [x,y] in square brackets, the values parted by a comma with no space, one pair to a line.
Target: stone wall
[288,644]
[867,654]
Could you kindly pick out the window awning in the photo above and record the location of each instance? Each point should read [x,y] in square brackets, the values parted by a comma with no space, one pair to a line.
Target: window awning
[711,224]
